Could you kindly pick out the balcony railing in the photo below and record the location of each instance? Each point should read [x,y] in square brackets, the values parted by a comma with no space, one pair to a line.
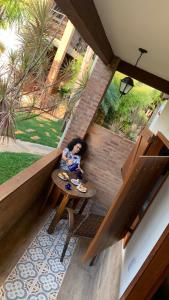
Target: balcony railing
[20,192]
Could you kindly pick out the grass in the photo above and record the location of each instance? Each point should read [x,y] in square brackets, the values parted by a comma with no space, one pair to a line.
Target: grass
[35,130]
[13,163]
[39,130]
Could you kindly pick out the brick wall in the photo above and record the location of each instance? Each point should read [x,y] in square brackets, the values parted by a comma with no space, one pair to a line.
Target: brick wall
[106,155]
[89,101]
[107,151]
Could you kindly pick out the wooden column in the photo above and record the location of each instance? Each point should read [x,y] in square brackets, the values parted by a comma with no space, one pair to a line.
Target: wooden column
[60,55]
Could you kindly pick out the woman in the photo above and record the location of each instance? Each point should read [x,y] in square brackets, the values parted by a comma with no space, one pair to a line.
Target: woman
[71,155]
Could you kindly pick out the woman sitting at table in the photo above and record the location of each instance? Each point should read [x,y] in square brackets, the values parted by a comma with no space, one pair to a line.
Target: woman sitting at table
[71,155]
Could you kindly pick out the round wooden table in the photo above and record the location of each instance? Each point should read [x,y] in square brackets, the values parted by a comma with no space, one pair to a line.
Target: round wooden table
[68,194]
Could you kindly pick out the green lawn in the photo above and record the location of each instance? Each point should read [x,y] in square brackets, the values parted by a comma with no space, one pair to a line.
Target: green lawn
[13,163]
[38,130]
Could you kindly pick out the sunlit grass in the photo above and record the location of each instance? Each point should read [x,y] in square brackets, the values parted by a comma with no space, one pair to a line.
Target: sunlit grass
[39,130]
[13,163]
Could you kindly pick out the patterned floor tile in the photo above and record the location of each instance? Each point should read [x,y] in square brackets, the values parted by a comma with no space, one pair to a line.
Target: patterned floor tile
[39,273]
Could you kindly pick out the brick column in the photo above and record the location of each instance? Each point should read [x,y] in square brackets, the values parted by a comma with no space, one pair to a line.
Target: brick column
[89,101]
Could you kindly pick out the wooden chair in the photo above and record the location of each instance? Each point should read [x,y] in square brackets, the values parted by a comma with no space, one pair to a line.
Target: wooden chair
[81,226]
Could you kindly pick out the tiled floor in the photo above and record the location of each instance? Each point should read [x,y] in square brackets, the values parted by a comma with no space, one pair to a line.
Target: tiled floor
[39,274]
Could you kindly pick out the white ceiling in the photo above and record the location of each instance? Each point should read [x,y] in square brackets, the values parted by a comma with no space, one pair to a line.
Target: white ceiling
[132,24]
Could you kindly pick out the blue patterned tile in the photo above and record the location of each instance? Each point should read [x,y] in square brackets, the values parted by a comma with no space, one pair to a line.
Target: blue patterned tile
[56,266]
[39,273]
[15,290]
[36,254]
[39,296]
[26,270]
[45,240]
[49,282]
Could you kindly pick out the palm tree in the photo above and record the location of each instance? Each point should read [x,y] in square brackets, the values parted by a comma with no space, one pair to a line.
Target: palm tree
[108,106]
[11,11]
[29,63]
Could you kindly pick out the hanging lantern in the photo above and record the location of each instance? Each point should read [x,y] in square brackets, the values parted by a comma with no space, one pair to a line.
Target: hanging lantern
[126,85]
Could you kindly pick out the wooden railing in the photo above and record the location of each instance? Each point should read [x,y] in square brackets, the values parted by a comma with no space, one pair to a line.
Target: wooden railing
[25,189]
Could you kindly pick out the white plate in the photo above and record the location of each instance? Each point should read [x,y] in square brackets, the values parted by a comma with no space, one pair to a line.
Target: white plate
[75,181]
[82,191]
[62,177]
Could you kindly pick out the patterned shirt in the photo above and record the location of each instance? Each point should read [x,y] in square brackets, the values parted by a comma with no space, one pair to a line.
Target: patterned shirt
[74,157]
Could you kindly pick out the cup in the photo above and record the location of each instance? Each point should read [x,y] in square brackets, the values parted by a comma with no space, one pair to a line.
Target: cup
[79,175]
[68,186]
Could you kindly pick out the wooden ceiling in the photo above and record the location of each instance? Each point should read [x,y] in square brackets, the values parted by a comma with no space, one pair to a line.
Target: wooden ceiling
[84,16]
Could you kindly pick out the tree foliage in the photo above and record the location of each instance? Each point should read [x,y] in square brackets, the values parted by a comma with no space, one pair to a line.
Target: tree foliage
[28,65]
[23,85]
[11,11]
[129,113]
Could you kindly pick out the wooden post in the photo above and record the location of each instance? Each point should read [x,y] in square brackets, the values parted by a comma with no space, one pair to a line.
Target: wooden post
[60,55]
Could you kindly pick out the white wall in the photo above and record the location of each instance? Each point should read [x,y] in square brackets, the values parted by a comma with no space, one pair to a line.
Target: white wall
[145,237]
[161,122]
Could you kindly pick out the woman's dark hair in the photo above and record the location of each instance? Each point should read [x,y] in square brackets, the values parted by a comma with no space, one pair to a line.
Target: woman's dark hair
[75,142]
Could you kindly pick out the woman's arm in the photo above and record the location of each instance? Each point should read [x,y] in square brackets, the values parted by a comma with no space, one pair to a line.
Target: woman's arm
[65,158]
[80,169]
[79,166]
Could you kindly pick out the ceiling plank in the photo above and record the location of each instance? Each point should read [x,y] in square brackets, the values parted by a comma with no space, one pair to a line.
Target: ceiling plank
[144,76]
[84,16]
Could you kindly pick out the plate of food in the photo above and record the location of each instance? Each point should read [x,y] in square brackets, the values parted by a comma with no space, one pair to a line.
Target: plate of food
[75,181]
[63,176]
[81,188]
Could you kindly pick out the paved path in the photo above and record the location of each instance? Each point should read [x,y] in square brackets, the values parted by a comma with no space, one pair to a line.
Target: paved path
[21,146]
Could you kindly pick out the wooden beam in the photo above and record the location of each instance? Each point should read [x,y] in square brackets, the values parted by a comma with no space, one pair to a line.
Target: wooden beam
[70,51]
[144,76]
[163,138]
[84,16]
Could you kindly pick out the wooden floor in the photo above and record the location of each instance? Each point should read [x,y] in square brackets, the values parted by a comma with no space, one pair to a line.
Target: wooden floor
[81,282]
[98,282]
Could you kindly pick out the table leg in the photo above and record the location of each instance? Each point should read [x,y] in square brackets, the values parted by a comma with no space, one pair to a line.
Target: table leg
[75,203]
[58,214]
[54,202]
[47,197]
[83,206]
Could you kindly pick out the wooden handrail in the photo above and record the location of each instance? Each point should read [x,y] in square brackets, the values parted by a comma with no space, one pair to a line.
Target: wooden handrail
[25,190]
[22,177]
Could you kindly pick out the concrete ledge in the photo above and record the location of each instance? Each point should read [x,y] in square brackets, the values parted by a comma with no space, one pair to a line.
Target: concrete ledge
[24,147]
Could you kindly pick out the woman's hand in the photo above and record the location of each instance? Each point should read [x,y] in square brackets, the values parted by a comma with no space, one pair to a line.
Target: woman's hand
[79,168]
[69,162]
